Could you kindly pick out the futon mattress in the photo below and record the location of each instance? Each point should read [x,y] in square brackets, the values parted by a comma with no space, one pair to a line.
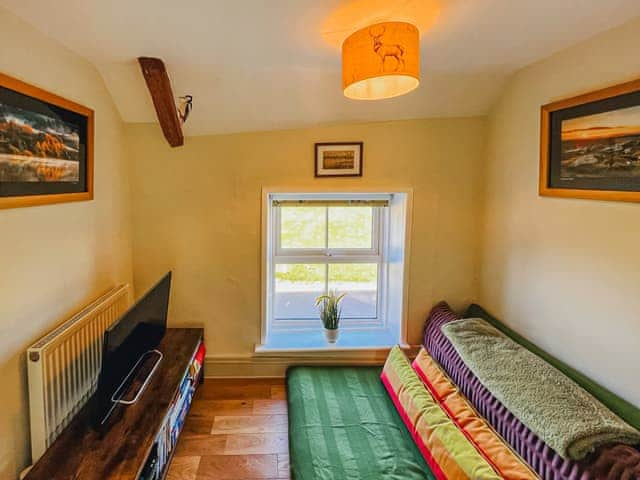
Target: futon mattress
[344,426]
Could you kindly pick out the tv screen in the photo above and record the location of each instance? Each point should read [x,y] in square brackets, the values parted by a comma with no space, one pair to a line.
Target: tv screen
[137,332]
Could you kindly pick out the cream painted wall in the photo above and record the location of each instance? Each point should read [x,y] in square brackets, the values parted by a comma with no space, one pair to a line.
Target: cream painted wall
[56,258]
[197,211]
[565,273]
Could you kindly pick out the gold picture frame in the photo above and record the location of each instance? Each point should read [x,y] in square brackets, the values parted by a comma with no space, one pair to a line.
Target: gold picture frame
[46,147]
[590,145]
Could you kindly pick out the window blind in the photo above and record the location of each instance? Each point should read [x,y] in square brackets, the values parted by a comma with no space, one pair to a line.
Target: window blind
[331,203]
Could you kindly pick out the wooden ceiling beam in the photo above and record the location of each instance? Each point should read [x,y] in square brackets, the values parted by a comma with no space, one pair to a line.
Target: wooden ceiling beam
[155,74]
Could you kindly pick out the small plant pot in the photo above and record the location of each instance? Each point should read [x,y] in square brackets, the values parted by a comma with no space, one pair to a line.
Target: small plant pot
[331,335]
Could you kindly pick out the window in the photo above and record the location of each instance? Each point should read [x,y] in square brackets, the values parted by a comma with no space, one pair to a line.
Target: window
[316,243]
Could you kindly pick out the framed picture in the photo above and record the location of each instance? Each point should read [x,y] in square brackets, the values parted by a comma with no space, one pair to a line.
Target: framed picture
[46,147]
[338,159]
[590,145]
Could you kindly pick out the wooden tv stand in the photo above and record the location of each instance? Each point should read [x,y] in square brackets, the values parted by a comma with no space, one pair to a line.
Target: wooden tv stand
[121,451]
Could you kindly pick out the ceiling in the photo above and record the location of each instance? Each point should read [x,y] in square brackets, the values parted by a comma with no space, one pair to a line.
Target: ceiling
[273,64]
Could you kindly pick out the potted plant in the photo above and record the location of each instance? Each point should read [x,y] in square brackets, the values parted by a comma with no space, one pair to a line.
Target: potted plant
[330,311]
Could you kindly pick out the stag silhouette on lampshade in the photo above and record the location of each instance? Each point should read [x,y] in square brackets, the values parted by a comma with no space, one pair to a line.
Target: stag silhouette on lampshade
[387,50]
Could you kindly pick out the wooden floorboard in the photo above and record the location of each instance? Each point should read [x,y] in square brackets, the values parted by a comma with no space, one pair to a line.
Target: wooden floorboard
[184,468]
[250,424]
[269,407]
[212,408]
[236,429]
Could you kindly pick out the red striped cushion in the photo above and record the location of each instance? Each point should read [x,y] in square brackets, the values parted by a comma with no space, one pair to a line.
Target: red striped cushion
[449,453]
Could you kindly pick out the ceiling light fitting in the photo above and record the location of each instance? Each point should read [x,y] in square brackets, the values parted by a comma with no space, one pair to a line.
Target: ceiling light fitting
[381,61]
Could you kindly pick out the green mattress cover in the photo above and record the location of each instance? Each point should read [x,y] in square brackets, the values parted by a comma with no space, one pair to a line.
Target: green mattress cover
[344,426]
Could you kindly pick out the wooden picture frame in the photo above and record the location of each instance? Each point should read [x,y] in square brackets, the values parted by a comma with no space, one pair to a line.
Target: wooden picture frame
[338,159]
[590,145]
[46,147]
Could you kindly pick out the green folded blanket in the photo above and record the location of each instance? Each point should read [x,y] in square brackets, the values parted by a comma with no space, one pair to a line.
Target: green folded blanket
[565,416]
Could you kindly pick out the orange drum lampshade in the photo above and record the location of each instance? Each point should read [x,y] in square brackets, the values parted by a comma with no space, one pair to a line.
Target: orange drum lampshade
[381,61]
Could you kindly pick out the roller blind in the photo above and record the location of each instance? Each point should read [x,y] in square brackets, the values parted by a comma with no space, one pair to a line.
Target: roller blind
[331,203]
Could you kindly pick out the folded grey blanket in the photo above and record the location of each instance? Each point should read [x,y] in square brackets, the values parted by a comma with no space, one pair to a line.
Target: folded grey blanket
[565,416]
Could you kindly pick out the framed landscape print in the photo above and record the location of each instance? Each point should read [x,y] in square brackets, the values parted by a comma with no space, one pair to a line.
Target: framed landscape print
[338,159]
[590,145]
[46,147]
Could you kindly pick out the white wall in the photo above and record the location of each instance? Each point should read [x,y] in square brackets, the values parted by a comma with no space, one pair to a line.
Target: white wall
[197,211]
[56,258]
[565,273]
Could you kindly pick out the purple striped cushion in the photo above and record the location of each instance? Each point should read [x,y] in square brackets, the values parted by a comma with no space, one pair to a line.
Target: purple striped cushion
[545,461]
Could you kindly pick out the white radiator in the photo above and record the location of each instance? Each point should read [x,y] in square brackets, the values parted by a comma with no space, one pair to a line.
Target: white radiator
[63,367]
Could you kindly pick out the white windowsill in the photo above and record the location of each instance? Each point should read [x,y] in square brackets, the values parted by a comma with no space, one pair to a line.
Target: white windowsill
[314,341]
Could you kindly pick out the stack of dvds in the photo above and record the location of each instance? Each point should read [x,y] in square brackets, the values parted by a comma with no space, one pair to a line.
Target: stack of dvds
[172,426]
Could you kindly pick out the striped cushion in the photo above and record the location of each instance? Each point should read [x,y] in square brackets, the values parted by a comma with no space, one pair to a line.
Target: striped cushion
[476,428]
[445,448]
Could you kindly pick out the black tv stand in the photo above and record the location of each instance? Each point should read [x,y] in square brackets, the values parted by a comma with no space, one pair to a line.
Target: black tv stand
[137,432]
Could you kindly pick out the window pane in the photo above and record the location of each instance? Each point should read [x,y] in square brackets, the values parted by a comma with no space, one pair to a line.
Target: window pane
[360,283]
[350,227]
[296,289]
[303,227]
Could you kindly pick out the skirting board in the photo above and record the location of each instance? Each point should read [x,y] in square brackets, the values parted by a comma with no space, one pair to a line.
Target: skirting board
[276,364]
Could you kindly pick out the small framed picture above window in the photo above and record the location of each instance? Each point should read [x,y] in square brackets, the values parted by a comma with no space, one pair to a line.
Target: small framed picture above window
[338,159]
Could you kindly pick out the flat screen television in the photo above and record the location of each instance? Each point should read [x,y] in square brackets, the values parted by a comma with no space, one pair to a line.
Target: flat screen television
[126,342]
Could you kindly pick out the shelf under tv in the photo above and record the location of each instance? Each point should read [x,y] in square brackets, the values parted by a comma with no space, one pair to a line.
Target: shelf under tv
[121,451]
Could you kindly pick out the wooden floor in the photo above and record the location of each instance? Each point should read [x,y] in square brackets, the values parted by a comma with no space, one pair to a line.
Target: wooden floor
[236,429]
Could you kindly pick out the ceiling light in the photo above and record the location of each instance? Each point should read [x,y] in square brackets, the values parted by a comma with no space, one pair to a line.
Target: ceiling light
[381,61]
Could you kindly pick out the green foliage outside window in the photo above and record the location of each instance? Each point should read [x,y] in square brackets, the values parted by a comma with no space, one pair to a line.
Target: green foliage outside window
[306,227]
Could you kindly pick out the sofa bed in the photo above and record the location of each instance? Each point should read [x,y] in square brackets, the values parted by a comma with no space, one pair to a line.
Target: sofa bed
[478,402]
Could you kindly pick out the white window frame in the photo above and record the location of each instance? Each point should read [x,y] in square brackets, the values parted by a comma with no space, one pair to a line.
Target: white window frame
[395,251]
[377,254]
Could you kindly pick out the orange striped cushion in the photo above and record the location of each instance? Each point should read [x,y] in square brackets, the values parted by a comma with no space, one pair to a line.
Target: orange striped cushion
[473,425]
[450,454]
